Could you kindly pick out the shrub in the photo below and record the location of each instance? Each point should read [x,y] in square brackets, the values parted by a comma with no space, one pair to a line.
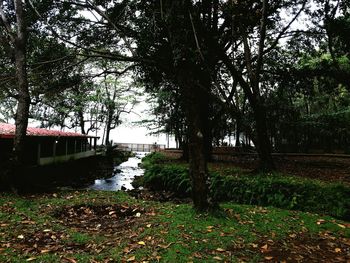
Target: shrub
[276,190]
[153,158]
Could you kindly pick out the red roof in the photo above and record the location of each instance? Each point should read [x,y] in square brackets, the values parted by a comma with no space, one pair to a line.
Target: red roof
[8,131]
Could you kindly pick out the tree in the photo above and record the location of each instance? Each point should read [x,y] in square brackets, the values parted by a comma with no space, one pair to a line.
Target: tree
[16,34]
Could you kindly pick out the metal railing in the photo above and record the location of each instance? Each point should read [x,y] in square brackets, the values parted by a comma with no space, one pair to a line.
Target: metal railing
[138,147]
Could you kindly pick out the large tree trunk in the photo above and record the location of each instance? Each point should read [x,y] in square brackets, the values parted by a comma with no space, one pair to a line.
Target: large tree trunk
[22,113]
[188,72]
[263,142]
[197,117]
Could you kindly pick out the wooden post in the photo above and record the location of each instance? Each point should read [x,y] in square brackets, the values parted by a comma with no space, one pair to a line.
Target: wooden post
[81,145]
[66,146]
[95,142]
[75,145]
[39,153]
[90,142]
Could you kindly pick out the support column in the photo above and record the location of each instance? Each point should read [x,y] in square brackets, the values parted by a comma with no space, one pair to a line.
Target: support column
[66,146]
[75,146]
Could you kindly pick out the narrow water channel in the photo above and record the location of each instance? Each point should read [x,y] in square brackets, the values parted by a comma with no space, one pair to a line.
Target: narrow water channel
[124,174]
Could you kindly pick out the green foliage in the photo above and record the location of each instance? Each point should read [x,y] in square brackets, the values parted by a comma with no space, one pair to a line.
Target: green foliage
[153,158]
[172,178]
[284,192]
[275,189]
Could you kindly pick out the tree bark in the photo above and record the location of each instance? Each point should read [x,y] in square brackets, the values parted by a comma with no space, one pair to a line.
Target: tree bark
[196,114]
[22,113]
[266,162]
[81,121]
[238,132]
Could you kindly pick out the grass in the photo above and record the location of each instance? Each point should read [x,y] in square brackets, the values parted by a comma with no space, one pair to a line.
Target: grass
[163,232]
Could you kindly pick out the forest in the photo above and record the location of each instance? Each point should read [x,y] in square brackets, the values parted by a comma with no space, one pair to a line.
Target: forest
[265,77]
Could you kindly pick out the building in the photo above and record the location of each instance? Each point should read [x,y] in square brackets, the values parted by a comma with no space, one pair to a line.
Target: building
[45,147]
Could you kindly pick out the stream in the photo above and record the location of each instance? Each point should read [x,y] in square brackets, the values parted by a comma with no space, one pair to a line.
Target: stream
[123,176]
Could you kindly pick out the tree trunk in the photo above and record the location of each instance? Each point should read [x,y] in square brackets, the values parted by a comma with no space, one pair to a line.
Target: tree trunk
[108,131]
[238,132]
[81,121]
[196,115]
[22,113]
[108,127]
[263,142]
[189,73]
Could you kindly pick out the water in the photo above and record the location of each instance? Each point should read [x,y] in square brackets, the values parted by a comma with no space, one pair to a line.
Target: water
[124,174]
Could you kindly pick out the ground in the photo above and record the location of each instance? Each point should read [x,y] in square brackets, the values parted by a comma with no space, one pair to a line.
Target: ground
[329,169]
[91,226]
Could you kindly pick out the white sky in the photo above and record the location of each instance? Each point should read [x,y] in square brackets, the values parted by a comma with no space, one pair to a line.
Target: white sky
[128,132]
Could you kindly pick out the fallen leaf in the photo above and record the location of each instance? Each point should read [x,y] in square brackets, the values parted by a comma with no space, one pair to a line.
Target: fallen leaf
[268,258]
[320,221]
[341,226]
[71,260]
[165,246]
[28,222]
[141,243]
[337,250]
[126,250]
[31,259]
[149,225]
[217,258]
[197,255]
[264,247]
[20,237]
[219,249]
[44,251]
[131,259]
[138,214]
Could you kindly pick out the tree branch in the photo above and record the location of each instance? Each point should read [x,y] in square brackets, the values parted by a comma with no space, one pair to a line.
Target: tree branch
[6,24]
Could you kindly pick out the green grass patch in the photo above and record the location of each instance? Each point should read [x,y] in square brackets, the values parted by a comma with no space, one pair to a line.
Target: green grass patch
[164,232]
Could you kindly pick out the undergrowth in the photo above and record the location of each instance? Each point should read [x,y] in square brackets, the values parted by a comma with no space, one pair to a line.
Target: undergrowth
[272,189]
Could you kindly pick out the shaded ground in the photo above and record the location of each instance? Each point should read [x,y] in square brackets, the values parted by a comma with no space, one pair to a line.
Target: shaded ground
[113,227]
[330,169]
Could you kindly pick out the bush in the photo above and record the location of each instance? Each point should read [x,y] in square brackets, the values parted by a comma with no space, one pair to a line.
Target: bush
[153,158]
[261,189]
[172,178]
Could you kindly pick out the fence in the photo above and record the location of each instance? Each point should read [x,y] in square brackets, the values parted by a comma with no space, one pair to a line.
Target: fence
[138,147]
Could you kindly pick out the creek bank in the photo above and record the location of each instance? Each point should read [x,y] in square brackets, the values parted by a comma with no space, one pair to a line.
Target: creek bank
[122,177]
[73,174]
